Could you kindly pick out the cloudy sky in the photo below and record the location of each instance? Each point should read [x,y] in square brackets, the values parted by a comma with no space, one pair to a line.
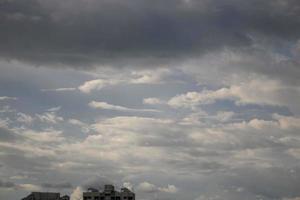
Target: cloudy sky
[175,99]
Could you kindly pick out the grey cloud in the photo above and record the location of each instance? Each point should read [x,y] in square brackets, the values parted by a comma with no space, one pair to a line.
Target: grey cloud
[96,182]
[272,182]
[7,184]
[252,183]
[6,135]
[77,33]
[21,162]
[203,165]
[164,139]
[57,185]
[202,152]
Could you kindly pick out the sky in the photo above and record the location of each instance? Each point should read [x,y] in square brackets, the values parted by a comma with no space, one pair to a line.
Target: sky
[174,99]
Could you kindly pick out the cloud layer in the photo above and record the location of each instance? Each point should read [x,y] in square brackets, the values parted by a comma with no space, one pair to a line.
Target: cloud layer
[80,33]
[175,99]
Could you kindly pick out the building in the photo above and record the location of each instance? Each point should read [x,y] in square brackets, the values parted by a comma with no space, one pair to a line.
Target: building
[46,196]
[65,197]
[109,193]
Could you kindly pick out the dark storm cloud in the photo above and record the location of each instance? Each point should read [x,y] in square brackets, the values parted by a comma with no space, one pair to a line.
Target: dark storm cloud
[83,33]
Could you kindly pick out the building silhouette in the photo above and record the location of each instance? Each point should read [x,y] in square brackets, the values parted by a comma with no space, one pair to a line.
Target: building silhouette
[109,193]
[46,196]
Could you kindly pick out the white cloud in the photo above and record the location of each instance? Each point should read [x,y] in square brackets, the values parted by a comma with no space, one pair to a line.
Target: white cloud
[153,101]
[7,109]
[193,99]
[32,148]
[295,152]
[106,106]
[262,124]
[156,76]
[54,109]
[169,189]
[131,123]
[128,185]
[147,187]
[19,177]
[120,136]
[29,187]
[194,118]
[97,84]
[4,123]
[7,98]
[49,117]
[151,188]
[58,90]
[202,118]
[150,76]
[287,122]
[279,122]
[261,91]
[84,126]
[24,118]
[224,116]
[257,91]
[46,136]
[76,122]
[170,146]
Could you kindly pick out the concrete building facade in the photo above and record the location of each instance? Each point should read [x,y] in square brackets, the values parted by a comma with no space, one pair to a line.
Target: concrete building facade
[109,193]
